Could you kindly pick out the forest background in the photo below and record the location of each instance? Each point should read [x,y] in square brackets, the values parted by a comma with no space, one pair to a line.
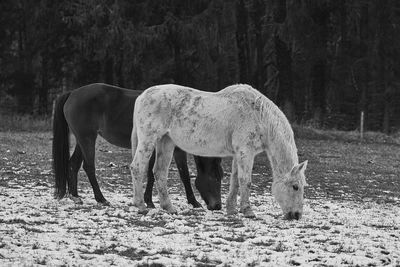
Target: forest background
[324,62]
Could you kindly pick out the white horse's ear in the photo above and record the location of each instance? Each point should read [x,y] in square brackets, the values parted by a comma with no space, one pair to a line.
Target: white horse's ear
[299,168]
[303,166]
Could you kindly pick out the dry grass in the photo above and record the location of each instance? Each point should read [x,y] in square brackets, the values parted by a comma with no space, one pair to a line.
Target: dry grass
[305,132]
[24,123]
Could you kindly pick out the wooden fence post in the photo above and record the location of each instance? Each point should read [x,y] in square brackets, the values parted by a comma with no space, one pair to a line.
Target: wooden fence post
[362,125]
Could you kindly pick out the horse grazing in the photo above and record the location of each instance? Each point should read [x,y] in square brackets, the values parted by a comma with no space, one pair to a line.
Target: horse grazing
[107,110]
[237,121]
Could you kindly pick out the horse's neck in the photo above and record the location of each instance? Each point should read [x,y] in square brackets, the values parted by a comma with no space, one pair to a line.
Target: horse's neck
[282,153]
[280,146]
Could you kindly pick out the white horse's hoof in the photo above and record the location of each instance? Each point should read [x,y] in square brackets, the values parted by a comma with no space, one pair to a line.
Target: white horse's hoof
[248,212]
[143,211]
[231,211]
[170,209]
[76,200]
[173,211]
[104,204]
[141,206]
[231,207]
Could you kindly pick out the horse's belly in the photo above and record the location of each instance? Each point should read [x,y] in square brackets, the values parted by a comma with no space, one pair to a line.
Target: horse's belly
[202,143]
[117,138]
[204,151]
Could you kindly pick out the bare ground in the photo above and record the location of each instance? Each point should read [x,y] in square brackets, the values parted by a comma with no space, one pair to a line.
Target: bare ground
[352,213]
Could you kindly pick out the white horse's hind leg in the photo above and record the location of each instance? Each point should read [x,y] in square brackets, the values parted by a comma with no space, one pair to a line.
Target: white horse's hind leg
[245,166]
[139,168]
[164,152]
[134,173]
[231,200]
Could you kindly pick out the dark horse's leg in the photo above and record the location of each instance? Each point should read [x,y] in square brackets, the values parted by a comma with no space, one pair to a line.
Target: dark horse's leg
[180,157]
[148,194]
[75,163]
[88,150]
[181,162]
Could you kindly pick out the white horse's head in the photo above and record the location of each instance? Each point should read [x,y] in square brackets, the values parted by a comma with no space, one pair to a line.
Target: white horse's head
[288,191]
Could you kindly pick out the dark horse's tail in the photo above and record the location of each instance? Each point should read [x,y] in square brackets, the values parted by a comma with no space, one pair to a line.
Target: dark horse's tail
[60,147]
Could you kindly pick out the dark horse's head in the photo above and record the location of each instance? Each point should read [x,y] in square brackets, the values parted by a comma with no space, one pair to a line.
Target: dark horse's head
[208,181]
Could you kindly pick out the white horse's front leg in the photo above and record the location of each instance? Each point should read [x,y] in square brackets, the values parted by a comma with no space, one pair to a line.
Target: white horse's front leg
[245,166]
[164,152]
[138,169]
[231,200]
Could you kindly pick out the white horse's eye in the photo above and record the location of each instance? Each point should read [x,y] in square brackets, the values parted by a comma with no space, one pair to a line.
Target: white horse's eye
[295,187]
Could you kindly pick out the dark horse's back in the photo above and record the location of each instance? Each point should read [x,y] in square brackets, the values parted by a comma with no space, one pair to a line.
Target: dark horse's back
[102,109]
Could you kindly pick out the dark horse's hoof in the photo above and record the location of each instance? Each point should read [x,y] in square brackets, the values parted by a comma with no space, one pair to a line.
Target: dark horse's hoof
[195,204]
[150,205]
[143,211]
[77,200]
[104,203]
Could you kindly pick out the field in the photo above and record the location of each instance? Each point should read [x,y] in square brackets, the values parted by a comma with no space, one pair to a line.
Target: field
[352,213]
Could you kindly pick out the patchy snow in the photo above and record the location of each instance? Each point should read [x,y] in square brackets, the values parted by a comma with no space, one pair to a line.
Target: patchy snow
[352,213]
[36,229]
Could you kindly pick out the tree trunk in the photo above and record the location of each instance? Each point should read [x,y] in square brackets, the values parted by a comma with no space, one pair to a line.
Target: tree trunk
[258,13]
[108,69]
[279,11]
[179,76]
[365,70]
[386,117]
[24,78]
[119,67]
[381,50]
[318,90]
[320,15]
[243,42]
[44,89]
[284,66]
[228,66]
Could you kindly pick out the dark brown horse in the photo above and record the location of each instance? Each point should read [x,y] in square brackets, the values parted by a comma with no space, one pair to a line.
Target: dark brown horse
[108,111]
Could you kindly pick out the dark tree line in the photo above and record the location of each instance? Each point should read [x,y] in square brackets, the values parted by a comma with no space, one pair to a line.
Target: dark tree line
[321,61]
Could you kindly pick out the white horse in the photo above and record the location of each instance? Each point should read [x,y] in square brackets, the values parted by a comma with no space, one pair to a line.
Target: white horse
[237,122]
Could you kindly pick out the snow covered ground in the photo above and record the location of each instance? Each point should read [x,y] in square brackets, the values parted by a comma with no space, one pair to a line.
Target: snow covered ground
[35,229]
[352,213]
